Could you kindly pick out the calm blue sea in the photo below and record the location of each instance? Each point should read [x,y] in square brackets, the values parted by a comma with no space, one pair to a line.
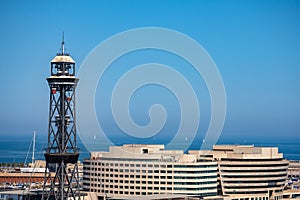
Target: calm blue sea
[14,148]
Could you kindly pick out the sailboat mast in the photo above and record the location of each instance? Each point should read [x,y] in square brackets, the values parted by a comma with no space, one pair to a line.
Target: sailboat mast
[33,147]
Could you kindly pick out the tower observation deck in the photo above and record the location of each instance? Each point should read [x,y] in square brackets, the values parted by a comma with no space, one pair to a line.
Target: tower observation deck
[62,145]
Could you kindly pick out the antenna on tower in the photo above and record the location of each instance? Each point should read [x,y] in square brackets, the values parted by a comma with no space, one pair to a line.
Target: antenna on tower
[63,44]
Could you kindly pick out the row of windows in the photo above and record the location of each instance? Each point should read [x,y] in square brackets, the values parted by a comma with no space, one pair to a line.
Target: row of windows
[149,171]
[136,176]
[124,192]
[251,160]
[117,164]
[252,181]
[127,181]
[254,170]
[129,170]
[128,187]
[246,192]
[195,177]
[195,172]
[195,166]
[195,189]
[139,192]
[154,182]
[263,164]
[156,190]
[255,198]
[103,181]
[149,165]
[253,186]
[255,175]
[127,176]
[195,183]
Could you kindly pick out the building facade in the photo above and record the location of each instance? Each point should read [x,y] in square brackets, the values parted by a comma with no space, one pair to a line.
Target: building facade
[227,171]
[294,169]
[146,170]
[248,172]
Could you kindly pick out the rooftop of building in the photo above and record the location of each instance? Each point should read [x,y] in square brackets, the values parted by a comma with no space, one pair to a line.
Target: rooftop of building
[158,152]
[150,152]
[240,152]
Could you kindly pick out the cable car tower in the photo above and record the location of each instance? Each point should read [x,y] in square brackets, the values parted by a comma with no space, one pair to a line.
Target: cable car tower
[62,152]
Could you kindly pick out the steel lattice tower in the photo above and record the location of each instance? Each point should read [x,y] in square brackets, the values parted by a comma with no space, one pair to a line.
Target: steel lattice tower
[62,152]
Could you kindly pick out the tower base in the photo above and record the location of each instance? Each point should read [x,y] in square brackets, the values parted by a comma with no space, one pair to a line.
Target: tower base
[65,184]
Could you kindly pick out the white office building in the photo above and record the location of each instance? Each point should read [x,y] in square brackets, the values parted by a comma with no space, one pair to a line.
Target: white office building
[233,172]
[246,172]
[147,170]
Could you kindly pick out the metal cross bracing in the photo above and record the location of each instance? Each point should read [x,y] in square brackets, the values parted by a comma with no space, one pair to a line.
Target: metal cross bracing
[62,118]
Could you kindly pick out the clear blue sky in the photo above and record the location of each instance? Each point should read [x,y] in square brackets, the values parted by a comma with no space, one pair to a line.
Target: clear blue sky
[255,44]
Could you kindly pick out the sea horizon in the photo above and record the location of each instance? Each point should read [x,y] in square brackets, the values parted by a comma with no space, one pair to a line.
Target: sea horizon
[15,148]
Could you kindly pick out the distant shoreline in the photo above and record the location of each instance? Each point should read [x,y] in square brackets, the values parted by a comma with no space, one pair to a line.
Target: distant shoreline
[14,148]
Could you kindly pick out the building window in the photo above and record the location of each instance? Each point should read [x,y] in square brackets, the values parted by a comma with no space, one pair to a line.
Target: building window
[145,151]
